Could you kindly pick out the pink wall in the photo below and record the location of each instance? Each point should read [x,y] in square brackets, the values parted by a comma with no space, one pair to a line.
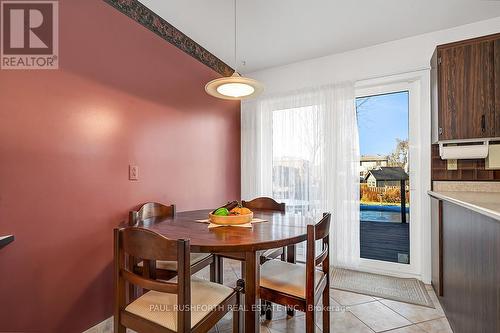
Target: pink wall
[122,96]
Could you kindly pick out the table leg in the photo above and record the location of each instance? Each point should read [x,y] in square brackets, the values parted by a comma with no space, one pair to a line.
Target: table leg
[291,253]
[252,289]
[291,256]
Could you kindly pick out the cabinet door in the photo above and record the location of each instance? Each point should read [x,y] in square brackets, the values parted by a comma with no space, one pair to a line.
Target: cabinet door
[437,245]
[496,55]
[466,91]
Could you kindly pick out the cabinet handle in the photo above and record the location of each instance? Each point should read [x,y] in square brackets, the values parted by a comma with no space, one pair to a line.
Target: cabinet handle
[483,123]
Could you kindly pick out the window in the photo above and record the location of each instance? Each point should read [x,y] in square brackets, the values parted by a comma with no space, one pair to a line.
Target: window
[297,154]
[383,122]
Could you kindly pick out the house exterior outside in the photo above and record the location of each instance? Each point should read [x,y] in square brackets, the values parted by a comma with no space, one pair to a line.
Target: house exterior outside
[369,162]
[386,177]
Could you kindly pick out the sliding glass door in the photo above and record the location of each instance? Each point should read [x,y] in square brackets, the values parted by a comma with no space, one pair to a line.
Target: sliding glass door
[383,122]
[297,152]
[394,129]
[297,156]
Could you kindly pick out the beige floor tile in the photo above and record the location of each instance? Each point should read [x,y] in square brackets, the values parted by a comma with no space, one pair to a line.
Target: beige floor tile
[226,323]
[263,329]
[378,317]
[107,326]
[289,325]
[346,322]
[414,313]
[348,298]
[436,326]
[407,329]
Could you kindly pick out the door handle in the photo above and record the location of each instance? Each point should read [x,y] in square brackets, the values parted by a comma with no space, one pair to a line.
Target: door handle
[483,123]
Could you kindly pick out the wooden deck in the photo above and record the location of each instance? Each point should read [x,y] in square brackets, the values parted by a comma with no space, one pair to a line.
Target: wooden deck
[383,241]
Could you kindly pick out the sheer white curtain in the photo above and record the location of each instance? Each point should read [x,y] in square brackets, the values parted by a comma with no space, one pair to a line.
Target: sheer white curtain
[302,148]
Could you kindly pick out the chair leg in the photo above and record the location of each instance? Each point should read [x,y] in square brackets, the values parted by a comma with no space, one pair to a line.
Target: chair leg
[219,267]
[290,311]
[213,270]
[242,269]
[236,320]
[118,328]
[326,310]
[268,307]
[310,321]
[283,254]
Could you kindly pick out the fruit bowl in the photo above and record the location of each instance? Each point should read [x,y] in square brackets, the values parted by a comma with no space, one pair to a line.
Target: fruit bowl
[230,219]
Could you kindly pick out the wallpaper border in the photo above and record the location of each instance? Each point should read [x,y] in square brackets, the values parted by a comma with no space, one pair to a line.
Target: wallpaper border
[153,22]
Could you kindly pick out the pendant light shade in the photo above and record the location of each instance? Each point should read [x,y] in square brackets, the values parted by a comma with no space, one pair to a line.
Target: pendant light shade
[234,87]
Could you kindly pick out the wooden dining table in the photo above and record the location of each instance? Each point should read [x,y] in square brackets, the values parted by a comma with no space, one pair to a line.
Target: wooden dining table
[246,244]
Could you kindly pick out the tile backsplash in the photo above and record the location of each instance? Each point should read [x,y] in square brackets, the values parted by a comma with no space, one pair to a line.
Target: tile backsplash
[467,170]
[467,186]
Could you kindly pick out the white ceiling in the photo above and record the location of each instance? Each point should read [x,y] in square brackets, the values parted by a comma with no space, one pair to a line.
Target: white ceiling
[278,32]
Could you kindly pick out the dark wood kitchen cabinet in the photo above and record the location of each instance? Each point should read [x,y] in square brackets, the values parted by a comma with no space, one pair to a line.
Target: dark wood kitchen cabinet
[471,270]
[466,266]
[465,88]
[496,65]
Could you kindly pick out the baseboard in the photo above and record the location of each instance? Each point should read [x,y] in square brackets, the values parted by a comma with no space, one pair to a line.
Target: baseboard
[105,326]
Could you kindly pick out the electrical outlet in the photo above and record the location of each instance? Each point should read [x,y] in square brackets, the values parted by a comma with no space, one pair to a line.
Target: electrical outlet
[133,172]
[452,164]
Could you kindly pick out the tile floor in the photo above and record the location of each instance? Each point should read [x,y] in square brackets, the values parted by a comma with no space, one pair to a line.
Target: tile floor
[353,313]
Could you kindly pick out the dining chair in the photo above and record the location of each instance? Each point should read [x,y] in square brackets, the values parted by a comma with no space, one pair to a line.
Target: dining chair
[265,203]
[149,210]
[168,269]
[301,286]
[181,304]
[261,203]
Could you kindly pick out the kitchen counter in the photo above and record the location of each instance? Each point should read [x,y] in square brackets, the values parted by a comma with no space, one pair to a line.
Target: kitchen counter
[465,247]
[486,203]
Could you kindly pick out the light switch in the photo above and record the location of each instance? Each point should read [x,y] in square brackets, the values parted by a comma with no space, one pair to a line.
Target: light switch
[133,172]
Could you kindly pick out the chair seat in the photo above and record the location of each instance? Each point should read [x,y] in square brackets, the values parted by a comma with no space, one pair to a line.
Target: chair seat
[172,265]
[161,308]
[286,277]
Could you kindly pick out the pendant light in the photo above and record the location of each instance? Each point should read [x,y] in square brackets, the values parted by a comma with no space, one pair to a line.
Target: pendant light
[234,87]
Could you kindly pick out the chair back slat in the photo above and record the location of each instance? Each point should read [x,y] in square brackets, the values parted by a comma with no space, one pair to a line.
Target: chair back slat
[321,257]
[264,203]
[322,232]
[149,210]
[322,228]
[148,245]
[310,262]
[145,283]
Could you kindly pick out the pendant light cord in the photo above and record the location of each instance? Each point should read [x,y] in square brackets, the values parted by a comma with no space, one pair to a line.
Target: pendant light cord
[235,62]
